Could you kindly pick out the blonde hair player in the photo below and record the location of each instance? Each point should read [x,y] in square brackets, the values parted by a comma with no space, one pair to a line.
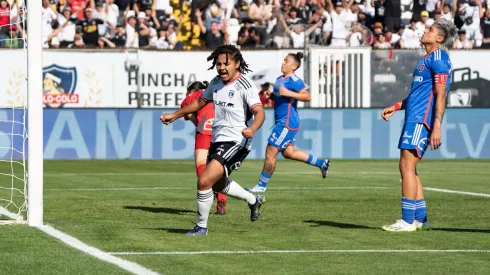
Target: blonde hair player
[424,110]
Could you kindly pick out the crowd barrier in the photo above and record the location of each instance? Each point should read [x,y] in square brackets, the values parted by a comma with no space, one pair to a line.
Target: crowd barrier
[333,133]
[353,77]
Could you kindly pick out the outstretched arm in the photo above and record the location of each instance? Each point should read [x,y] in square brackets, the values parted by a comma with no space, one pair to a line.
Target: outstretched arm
[192,107]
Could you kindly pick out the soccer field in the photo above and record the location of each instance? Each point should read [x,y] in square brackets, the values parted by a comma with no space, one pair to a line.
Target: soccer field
[140,211]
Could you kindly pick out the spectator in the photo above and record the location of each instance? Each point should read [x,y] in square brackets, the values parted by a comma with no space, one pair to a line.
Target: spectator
[339,22]
[160,7]
[259,12]
[278,33]
[265,99]
[431,6]
[396,36]
[151,18]
[356,37]
[77,41]
[240,11]
[447,12]
[118,41]
[411,37]
[214,37]
[486,28]
[379,11]
[90,28]
[471,13]
[425,21]
[68,21]
[162,43]
[48,18]
[5,21]
[132,37]
[392,14]
[76,5]
[144,31]
[299,34]
[13,41]
[462,42]
[382,43]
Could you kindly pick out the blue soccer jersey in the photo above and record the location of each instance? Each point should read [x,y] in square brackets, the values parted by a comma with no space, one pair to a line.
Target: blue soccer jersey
[433,68]
[285,108]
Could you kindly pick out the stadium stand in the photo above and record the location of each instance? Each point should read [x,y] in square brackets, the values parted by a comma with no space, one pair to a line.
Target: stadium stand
[254,24]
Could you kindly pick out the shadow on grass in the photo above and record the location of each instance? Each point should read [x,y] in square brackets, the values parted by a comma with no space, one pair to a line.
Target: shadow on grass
[462,230]
[338,225]
[174,211]
[172,230]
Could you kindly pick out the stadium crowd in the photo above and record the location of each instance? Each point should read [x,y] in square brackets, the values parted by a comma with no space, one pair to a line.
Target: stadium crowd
[193,24]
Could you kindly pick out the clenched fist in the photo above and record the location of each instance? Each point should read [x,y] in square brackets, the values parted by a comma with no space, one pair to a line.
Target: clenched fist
[248,133]
[167,118]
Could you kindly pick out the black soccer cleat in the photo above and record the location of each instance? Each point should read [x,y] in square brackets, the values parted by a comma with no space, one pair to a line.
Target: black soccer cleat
[255,208]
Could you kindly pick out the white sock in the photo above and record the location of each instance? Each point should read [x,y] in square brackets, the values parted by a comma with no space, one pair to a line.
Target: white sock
[235,190]
[204,202]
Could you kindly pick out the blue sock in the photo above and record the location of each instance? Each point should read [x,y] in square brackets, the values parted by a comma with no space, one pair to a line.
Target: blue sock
[264,179]
[312,160]
[408,210]
[420,210]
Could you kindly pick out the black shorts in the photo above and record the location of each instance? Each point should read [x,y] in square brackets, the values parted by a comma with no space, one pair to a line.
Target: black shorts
[229,154]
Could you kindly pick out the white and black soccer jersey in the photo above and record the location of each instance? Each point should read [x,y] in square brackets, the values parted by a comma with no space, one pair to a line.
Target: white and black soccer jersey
[232,105]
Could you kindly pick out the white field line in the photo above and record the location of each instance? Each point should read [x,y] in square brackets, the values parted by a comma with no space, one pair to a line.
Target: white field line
[193,188]
[125,173]
[457,192]
[11,215]
[92,251]
[302,251]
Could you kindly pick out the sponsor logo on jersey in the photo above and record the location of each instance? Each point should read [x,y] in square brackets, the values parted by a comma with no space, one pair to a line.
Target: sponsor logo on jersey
[406,141]
[418,78]
[224,104]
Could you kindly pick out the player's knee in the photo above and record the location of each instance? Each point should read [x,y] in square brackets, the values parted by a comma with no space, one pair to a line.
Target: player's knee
[405,166]
[203,182]
[288,154]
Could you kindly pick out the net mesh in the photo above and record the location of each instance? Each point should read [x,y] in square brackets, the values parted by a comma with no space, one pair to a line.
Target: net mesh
[13,114]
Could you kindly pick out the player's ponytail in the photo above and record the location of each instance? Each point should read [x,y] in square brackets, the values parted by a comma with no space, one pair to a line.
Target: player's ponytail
[297,58]
[448,30]
[196,86]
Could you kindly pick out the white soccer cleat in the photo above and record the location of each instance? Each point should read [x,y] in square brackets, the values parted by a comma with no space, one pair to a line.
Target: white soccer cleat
[257,189]
[422,225]
[400,226]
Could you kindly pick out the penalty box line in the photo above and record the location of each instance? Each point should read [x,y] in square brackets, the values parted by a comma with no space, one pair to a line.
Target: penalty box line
[332,251]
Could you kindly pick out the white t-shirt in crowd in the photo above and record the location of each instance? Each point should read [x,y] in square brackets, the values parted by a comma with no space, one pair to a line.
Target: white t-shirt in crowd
[411,39]
[338,24]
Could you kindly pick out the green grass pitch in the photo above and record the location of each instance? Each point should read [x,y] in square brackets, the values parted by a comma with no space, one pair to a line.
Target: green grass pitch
[147,206]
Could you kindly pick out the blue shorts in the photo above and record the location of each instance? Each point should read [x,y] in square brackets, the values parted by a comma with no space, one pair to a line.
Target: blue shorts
[281,137]
[415,136]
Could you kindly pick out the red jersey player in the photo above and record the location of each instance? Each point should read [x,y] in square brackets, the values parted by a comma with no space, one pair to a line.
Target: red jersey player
[203,120]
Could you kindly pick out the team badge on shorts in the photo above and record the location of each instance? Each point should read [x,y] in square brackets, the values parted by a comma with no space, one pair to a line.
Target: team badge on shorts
[415,136]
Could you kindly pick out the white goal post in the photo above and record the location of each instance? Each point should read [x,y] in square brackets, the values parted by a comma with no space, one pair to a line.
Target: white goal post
[35,114]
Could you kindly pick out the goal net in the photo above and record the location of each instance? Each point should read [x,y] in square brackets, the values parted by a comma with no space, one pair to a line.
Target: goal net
[21,113]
